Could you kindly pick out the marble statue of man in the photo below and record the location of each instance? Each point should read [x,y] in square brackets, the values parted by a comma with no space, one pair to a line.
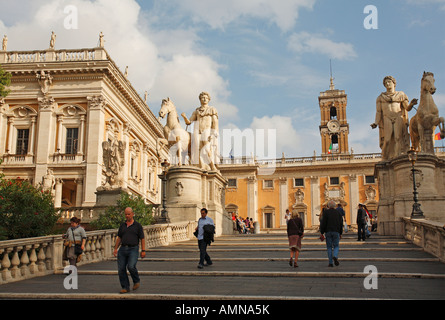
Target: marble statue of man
[52,42]
[5,43]
[205,134]
[392,118]
[48,181]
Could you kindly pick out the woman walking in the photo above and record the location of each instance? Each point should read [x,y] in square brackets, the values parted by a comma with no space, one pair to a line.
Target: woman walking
[295,232]
[75,235]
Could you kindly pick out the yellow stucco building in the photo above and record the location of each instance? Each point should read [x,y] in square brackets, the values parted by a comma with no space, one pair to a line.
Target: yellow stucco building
[264,189]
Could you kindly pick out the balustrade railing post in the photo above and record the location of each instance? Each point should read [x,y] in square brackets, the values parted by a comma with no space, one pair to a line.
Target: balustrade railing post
[57,252]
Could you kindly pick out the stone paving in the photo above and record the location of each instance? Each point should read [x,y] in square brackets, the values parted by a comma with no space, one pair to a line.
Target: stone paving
[255,267]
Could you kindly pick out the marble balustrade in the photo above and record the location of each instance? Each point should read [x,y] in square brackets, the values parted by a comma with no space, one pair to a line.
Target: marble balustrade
[32,257]
[427,234]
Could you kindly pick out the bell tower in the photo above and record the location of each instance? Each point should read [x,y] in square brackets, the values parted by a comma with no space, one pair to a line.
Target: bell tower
[334,127]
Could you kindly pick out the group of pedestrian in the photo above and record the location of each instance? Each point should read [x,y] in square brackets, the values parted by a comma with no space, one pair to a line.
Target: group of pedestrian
[364,220]
[241,225]
[130,234]
[332,224]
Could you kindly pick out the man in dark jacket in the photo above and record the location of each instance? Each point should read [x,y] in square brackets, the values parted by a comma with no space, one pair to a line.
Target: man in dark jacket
[332,226]
[361,222]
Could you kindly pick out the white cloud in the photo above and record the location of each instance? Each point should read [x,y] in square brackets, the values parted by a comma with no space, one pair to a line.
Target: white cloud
[150,54]
[287,138]
[219,14]
[304,42]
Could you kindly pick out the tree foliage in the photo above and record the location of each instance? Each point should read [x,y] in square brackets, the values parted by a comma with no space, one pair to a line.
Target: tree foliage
[5,81]
[114,216]
[25,210]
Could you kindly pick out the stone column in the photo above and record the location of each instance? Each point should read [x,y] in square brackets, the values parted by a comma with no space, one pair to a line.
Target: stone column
[315,200]
[59,135]
[58,193]
[32,136]
[46,135]
[2,125]
[79,191]
[10,143]
[252,197]
[283,200]
[96,126]
[353,198]
[81,136]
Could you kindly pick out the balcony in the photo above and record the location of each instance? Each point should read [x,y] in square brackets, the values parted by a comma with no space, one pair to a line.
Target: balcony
[18,159]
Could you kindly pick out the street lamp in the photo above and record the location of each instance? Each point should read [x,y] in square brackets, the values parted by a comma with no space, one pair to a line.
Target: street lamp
[163,177]
[417,212]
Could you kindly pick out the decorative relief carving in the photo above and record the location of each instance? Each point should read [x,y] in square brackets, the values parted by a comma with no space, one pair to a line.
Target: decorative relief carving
[45,81]
[96,102]
[46,103]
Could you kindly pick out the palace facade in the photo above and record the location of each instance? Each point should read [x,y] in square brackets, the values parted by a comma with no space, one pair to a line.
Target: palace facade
[62,106]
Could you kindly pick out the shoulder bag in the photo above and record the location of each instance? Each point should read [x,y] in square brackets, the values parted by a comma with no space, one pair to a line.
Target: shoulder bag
[77,247]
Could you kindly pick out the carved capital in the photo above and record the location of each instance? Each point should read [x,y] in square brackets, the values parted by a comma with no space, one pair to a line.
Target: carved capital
[96,102]
[46,103]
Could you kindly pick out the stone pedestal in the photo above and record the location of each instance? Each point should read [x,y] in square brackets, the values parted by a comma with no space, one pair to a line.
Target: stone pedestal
[396,191]
[189,189]
[108,197]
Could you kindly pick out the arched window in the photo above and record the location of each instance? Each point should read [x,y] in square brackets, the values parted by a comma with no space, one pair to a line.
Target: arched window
[333,113]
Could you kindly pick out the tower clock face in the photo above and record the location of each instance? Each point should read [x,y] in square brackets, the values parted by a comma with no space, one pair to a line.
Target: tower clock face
[333,126]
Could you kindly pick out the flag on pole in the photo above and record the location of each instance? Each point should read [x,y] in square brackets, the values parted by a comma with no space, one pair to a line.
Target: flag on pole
[437,136]
[231,153]
[330,148]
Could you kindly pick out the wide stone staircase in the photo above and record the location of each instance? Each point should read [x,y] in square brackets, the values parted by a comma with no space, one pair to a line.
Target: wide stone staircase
[255,266]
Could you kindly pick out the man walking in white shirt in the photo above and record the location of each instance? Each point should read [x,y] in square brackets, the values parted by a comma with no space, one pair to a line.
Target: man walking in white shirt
[202,244]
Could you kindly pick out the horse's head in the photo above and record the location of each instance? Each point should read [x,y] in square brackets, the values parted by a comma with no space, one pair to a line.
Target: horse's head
[165,107]
[428,82]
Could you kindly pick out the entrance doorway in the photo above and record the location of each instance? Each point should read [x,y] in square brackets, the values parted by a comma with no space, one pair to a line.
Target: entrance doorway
[268,220]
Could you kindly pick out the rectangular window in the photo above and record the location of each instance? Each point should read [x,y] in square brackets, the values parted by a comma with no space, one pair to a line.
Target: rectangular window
[369,179]
[22,141]
[132,167]
[231,183]
[72,138]
[298,182]
[334,180]
[268,184]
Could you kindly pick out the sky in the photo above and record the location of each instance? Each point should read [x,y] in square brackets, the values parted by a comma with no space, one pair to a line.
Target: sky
[264,63]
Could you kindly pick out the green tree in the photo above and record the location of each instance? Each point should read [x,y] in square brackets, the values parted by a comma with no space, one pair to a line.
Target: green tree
[5,81]
[25,210]
[114,216]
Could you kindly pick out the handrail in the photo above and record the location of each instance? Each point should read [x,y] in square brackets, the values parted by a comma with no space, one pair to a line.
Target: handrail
[22,259]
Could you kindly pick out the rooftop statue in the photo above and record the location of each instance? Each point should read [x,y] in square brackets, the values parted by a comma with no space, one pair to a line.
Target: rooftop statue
[52,42]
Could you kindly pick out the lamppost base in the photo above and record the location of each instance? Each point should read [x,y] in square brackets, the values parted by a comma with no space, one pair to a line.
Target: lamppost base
[417,213]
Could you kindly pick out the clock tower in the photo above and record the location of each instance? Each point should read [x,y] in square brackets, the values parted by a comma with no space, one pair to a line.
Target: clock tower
[334,127]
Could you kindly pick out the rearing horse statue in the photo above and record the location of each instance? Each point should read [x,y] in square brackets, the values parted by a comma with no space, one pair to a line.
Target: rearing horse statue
[424,122]
[177,138]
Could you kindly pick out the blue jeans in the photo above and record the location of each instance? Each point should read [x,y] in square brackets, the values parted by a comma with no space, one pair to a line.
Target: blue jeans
[127,257]
[203,252]
[332,244]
